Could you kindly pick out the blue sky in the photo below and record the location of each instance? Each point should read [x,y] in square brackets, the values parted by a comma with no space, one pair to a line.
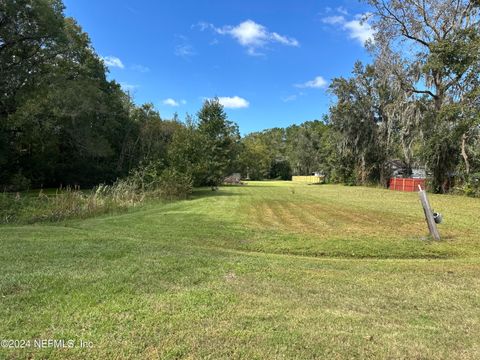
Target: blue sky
[269,62]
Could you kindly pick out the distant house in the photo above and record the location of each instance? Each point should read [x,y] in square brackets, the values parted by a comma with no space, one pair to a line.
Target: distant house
[399,169]
[403,178]
[418,173]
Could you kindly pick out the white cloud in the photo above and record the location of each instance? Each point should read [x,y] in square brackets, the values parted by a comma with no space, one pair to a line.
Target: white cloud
[358,28]
[202,25]
[129,87]
[317,83]
[234,102]
[248,33]
[170,102]
[113,61]
[290,98]
[284,39]
[293,97]
[173,102]
[251,35]
[332,20]
[140,68]
[183,48]
[339,9]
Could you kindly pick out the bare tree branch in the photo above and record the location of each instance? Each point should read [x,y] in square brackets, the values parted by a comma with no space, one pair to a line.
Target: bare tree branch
[403,25]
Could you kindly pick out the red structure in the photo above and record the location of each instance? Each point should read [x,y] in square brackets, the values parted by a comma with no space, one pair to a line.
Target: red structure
[406,184]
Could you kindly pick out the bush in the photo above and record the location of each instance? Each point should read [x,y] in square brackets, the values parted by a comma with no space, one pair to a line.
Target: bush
[145,177]
[470,187]
[175,185]
[18,182]
[149,180]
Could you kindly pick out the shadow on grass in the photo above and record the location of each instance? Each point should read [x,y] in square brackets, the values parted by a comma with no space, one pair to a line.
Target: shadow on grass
[207,192]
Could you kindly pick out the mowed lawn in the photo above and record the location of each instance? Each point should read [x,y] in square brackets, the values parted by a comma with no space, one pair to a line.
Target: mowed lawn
[269,270]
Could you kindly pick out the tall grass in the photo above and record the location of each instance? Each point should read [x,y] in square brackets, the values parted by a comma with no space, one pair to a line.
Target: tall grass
[25,208]
[68,203]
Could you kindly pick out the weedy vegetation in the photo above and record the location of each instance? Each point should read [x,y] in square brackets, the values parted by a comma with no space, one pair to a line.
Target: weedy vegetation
[142,185]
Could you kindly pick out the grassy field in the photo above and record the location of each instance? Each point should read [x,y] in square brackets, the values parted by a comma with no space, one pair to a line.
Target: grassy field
[265,271]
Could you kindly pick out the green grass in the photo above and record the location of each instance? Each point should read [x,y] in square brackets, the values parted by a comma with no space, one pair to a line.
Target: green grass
[269,270]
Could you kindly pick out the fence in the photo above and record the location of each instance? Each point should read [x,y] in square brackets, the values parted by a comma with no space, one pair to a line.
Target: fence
[406,184]
[308,179]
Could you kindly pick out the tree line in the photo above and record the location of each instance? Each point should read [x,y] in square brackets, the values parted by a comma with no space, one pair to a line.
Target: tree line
[417,103]
[62,122]
[419,99]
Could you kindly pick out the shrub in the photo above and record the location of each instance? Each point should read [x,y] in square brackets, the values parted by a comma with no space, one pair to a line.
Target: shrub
[471,186]
[148,180]
[145,177]
[175,185]
[18,182]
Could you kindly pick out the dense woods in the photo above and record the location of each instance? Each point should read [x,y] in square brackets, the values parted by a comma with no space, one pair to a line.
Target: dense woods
[62,122]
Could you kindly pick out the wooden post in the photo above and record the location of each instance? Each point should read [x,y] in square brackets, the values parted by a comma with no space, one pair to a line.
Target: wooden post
[432,226]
